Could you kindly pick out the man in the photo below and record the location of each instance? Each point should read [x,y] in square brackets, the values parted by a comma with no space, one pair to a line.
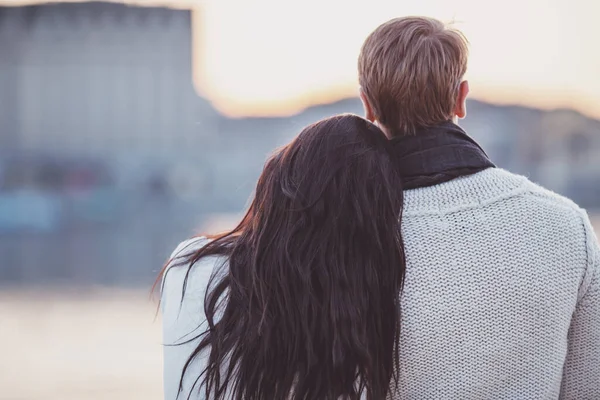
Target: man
[502,292]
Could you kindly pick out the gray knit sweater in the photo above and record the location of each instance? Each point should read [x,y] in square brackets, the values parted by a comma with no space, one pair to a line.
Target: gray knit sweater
[501,300]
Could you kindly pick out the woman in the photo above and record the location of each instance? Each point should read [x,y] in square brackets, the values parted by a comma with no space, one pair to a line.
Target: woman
[301,299]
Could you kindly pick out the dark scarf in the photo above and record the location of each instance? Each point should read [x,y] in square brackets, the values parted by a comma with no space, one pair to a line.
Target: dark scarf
[437,154]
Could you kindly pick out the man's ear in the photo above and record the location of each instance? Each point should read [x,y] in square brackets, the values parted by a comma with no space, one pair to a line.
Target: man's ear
[460,109]
[369,115]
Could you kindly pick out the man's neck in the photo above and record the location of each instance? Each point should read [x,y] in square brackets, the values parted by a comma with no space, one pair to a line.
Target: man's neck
[384,129]
[388,132]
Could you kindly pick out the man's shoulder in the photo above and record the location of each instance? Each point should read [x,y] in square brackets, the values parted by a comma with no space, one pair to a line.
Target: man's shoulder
[535,204]
[543,204]
[539,193]
[584,232]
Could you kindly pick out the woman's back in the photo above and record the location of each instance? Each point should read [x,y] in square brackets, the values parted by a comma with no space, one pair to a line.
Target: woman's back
[491,308]
[307,305]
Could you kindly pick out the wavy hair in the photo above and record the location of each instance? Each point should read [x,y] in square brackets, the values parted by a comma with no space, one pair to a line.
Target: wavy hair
[306,305]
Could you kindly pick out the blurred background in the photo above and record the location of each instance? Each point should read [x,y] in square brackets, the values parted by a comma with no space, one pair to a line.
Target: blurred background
[128,127]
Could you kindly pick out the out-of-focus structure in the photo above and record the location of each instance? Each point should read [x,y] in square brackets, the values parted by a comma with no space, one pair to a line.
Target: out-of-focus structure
[108,156]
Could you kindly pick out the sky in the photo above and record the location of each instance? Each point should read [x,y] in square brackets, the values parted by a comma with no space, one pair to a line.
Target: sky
[275,57]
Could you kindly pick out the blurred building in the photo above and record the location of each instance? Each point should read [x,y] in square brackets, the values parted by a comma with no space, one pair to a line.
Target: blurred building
[99,121]
[101,80]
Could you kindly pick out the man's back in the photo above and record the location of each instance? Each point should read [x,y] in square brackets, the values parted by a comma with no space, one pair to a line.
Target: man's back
[502,291]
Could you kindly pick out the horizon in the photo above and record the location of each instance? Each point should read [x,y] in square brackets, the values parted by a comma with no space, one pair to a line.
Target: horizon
[296,60]
[334,100]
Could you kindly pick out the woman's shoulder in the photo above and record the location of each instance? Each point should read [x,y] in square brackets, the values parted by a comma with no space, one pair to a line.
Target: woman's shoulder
[188,246]
[182,309]
[180,275]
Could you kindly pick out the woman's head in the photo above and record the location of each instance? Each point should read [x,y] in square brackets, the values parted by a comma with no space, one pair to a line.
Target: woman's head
[335,175]
[307,306]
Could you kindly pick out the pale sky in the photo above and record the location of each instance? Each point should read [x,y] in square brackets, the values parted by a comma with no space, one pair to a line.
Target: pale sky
[266,57]
[276,56]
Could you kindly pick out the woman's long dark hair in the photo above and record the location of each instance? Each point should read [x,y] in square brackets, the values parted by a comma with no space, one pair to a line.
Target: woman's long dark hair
[307,305]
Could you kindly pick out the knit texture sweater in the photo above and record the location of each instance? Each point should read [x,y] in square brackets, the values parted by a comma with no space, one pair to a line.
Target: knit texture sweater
[501,297]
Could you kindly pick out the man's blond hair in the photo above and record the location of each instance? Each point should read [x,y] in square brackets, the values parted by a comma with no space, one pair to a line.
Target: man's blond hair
[410,70]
